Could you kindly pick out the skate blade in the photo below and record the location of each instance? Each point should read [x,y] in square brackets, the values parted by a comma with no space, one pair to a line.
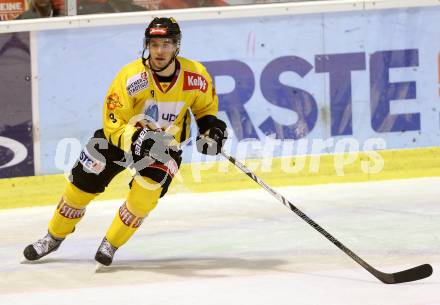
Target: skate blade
[100,268]
[28,262]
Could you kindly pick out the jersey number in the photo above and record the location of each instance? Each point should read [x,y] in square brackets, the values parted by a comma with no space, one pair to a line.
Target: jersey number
[112,118]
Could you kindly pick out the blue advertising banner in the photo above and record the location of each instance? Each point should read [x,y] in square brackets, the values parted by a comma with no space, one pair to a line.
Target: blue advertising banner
[311,79]
[16,146]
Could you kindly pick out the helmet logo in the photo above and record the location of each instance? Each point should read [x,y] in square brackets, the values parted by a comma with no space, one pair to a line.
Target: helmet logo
[158,31]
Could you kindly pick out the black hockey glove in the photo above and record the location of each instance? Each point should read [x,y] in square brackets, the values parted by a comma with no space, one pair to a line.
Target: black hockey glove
[213,135]
[154,144]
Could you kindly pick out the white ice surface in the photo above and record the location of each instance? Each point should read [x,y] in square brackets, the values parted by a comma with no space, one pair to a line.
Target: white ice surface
[240,247]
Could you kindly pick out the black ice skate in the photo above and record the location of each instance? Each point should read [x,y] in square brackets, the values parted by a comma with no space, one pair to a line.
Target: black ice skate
[42,247]
[105,253]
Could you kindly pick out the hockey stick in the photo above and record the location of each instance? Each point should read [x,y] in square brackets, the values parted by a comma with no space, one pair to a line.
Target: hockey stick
[413,274]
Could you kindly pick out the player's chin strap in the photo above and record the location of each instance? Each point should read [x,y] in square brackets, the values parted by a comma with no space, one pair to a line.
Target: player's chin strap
[144,61]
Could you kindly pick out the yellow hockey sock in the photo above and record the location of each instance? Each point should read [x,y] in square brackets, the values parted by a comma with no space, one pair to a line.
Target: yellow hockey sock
[141,200]
[69,211]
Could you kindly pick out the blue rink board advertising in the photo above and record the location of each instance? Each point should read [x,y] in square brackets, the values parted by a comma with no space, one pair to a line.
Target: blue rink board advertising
[16,146]
[352,75]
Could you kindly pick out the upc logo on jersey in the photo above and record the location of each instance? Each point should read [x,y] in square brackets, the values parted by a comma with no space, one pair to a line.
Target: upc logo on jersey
[91,164]
[137,83]
[194,81]
[162,114]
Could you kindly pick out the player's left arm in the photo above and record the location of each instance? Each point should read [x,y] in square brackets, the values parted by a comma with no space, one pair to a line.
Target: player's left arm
[212,130]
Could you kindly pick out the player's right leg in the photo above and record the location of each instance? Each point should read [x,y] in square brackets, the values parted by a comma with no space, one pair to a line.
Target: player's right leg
[89,177]
[69,211]
[67,214]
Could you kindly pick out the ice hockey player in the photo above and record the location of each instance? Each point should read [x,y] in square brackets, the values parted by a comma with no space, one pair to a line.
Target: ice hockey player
[146,116]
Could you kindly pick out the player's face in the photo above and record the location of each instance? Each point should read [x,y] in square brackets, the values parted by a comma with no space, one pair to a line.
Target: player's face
[161,51]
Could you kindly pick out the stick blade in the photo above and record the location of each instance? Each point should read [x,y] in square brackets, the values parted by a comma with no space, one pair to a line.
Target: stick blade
[410,275]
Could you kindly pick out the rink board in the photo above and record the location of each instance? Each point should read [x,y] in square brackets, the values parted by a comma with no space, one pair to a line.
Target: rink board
[330,79]
[222,176]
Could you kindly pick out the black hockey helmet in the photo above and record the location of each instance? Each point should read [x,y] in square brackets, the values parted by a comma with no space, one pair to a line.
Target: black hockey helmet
[164,27]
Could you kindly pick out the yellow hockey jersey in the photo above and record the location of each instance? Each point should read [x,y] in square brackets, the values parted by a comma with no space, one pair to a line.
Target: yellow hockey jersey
[137,98]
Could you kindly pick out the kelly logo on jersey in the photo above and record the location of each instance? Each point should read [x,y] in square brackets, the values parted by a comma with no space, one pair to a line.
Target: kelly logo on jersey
[137,83]
[194,81]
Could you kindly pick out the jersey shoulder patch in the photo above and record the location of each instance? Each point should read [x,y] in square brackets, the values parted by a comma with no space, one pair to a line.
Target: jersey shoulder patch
[137,83]
[113,101]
